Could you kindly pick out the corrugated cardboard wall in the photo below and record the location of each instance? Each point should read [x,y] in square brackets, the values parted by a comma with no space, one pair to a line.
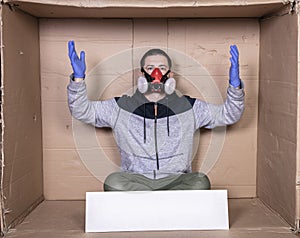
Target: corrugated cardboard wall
[277,125]
[22,141]
[207,41]
[298,136]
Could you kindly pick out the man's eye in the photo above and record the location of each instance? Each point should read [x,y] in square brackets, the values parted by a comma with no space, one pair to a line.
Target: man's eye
[162,68]
[149,68]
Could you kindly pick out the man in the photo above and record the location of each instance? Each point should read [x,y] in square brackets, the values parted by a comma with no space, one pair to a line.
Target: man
[154,128]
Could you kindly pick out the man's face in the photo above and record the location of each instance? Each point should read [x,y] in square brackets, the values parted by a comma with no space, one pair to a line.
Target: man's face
[156,61]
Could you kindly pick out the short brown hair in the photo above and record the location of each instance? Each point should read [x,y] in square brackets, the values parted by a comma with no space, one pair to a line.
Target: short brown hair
[155,52]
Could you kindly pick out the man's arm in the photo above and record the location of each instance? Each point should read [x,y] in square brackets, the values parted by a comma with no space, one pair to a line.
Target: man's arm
[210,115]
[97,113]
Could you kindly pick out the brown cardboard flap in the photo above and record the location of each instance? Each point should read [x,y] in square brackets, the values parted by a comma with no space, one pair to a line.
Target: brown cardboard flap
[298,143]
[277,121]
[150,9]
[1,128]
[22,182]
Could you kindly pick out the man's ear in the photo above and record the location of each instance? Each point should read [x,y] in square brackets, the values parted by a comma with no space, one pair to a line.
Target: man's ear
[170,75]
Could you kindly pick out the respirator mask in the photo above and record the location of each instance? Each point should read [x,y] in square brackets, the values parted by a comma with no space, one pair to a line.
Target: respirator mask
[156,82]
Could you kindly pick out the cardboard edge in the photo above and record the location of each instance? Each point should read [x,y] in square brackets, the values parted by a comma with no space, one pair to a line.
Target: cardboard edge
[21,218]
[296,228]
[145,4]
[2,211]
[163,9]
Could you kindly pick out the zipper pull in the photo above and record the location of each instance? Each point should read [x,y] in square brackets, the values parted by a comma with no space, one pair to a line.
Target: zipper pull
[155,109]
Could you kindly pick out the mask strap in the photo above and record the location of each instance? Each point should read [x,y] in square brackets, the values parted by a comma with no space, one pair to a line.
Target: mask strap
[147,76]
[164,78]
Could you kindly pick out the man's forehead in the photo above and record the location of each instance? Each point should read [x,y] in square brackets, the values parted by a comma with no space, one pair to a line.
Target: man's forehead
[156,59]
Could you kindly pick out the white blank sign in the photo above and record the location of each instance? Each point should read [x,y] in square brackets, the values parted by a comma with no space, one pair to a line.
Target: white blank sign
[156,210]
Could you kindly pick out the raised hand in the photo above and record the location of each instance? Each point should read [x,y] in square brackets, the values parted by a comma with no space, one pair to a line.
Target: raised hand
[78,64]
[234,74]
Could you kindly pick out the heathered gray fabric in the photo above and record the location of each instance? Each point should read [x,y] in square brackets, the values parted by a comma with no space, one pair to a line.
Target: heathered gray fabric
[174,150]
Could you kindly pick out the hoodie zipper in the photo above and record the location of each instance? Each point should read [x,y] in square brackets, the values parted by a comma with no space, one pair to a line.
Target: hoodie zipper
[155,135]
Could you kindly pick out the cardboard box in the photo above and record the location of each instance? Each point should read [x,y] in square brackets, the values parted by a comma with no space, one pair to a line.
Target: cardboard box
[44,150]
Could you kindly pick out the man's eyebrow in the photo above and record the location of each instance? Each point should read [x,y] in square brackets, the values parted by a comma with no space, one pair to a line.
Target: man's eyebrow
[152,65]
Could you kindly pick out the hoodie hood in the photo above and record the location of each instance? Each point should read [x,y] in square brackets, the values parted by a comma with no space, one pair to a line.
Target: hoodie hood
[170,105]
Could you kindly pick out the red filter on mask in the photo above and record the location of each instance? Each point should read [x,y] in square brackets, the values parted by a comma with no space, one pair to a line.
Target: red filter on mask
[157,75]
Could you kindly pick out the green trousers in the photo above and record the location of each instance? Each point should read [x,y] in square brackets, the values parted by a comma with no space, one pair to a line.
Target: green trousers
[123,181]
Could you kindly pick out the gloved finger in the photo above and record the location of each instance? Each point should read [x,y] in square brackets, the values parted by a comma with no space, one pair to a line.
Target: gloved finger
[71,48]
[234,62]
[234,58]
[234,52]
[74,57]
[234,48]
[82,56]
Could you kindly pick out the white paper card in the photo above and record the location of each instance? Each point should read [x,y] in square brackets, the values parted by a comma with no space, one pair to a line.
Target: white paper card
[157,210]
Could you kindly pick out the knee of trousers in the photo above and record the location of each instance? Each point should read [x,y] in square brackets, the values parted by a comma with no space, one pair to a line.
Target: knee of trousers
[202,182]
[112,182]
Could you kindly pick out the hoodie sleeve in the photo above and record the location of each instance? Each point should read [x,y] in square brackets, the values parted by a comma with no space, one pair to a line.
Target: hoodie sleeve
[211,115]
[97,113]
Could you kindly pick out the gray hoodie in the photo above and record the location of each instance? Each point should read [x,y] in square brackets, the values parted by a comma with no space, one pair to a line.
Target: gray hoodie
[155,143]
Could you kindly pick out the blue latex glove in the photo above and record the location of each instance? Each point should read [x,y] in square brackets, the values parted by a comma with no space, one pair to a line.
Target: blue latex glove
[234,74]
[78,64]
